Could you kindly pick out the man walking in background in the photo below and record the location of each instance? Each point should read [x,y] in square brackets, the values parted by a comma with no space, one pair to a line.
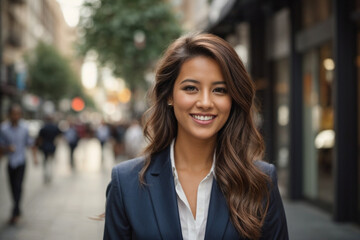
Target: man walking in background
[46,143]
[14,139]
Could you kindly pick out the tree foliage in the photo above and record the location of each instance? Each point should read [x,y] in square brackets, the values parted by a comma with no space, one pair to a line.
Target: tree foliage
[111,25]
[51,76]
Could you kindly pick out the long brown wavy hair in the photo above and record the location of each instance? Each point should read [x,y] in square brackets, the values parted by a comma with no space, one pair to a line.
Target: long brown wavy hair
[239,143]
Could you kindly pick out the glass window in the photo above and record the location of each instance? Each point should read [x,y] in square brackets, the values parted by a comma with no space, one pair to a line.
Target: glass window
[318,114]
[281,74]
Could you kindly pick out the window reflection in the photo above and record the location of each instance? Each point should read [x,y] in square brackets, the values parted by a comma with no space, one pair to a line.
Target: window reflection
[319,135]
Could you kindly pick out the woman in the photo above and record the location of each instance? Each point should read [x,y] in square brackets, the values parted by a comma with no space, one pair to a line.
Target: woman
[201,177]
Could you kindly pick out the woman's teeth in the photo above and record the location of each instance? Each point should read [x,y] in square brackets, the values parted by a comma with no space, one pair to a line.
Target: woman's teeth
[203,118]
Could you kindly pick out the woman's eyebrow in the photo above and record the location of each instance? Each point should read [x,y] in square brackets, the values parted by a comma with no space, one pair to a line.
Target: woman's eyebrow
[197,82]
[190,80]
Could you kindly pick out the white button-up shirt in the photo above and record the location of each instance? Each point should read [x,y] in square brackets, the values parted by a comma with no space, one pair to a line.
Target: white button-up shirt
[193,229]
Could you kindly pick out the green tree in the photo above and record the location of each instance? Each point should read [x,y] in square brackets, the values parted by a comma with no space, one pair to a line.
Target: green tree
[128,35]
[50,75]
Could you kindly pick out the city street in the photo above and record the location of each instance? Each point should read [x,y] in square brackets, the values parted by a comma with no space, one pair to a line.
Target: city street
[62,209]
[67,207]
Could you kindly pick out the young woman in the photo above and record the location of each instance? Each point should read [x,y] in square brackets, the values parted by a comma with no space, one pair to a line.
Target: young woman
[201,176]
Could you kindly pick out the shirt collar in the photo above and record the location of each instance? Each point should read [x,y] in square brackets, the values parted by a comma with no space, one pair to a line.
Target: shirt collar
[173,167]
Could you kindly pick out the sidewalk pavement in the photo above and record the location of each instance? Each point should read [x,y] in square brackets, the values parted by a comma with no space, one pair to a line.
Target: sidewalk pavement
[307,222]
[63,209]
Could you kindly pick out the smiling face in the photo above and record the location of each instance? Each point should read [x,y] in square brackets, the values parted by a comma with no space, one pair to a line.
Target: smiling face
[200,99]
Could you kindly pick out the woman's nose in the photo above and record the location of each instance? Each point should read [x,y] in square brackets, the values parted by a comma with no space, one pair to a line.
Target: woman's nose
[204,101]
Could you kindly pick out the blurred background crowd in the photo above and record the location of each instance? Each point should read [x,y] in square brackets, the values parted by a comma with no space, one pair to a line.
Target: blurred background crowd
[79,71]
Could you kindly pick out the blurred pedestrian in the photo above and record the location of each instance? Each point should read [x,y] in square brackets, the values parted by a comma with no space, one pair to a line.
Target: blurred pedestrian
[46,143]
[118,135]
[72,138]
[200,177]
[14,141]
[103,135]
[134,139]
[88,131]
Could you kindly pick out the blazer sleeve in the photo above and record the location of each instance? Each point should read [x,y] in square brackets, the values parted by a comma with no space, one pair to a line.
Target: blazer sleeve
[116,222]
[275,226]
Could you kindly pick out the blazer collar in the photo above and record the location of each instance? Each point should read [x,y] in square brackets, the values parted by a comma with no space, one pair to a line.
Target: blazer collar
[218,215]
[163,195]
[161,186]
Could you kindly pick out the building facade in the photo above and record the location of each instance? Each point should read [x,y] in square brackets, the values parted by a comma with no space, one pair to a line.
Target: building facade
[24,23]
[304,59]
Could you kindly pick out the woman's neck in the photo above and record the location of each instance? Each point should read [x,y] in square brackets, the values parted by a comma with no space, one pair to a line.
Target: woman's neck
[195,155]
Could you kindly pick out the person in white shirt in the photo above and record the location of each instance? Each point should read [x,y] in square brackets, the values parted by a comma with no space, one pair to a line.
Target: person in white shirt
[201,176]
[14,140]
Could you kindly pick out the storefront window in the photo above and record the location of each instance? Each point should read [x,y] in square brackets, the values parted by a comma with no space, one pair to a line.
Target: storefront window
[278,52]
[282,122]
[315,11]
[318,114]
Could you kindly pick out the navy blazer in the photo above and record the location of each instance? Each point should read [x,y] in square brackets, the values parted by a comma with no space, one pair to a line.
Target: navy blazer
[150,212]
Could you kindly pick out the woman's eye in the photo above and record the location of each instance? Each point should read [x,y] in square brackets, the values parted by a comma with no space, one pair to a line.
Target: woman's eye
[189,88]
[220,90]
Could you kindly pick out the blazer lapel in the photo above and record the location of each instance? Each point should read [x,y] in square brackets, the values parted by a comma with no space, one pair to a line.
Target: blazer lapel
[163,195]
[218,216]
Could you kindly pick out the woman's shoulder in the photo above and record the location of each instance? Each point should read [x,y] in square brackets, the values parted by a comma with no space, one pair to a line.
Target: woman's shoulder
[264,166]
[267,168]
[129,167]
